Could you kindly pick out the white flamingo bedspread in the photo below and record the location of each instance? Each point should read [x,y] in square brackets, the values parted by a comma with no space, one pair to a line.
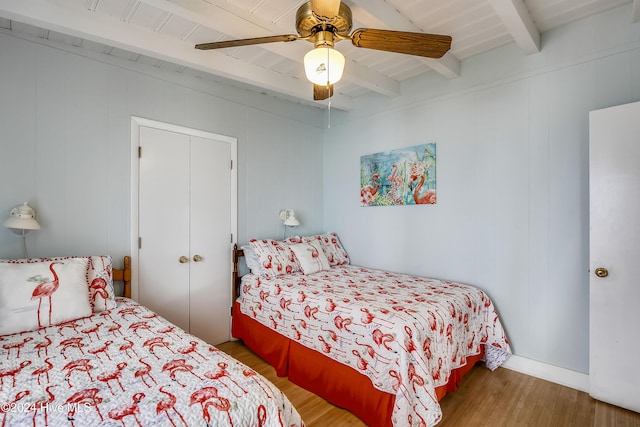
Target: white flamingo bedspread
[405,333]
[130,367]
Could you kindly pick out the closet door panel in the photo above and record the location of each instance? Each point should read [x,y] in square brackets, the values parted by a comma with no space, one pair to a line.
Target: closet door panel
[210,235]
[164,224]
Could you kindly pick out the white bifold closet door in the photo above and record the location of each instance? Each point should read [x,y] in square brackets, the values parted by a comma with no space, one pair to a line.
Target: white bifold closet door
[185,230]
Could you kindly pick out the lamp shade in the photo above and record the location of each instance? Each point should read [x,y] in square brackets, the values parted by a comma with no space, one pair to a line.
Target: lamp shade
[324,65]
[291,220]
[22,217]
[288,217]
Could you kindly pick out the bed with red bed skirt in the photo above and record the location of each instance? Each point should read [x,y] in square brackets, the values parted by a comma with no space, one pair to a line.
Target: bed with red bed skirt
[339,384]
[383,345]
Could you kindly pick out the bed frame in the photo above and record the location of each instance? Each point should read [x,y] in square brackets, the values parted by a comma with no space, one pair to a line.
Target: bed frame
[339,384]
[235,279]
[124,275]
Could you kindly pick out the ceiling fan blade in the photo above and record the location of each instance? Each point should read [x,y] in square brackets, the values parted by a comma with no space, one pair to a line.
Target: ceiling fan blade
[322,92]
[420,44]
[325,9]
[246,42]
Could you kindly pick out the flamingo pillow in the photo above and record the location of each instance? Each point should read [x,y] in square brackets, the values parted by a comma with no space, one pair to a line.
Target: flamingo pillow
[99,278]
[311,257]
[39,294]
[331,246]
[275,257]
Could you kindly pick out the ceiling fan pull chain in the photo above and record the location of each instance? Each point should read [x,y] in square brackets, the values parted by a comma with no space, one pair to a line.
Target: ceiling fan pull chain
[330,91]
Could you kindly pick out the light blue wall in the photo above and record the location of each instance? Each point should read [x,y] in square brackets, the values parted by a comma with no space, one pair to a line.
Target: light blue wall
[65,146]
[512,145]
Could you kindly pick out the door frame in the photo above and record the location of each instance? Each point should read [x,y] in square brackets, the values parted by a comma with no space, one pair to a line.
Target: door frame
[136,123]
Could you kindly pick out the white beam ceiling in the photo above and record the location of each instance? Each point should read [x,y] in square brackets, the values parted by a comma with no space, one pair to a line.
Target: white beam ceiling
[224,17]
[387,17]
[113,32]
[516,18]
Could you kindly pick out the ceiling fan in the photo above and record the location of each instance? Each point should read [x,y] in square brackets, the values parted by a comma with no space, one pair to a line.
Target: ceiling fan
[325,22]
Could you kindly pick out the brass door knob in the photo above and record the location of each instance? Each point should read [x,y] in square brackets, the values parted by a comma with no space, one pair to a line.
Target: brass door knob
[183,259]
[197,258]
[601,272]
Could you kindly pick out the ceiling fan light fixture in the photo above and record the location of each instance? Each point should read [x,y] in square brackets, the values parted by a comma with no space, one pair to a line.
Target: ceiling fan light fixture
[324,65]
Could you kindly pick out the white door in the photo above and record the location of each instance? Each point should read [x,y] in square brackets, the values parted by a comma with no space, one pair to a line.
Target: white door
[210,235]
[163,223]
[614,172]
[185,225]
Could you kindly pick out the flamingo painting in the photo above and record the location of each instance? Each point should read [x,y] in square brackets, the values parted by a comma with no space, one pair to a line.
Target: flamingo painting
[405,176]
[46,290]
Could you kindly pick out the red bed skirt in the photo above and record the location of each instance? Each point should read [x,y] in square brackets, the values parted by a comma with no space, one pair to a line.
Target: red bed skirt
[339,384]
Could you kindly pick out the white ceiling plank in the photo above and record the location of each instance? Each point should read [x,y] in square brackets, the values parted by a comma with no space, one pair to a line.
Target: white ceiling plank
[636,11]
[392,19]
[119,34]
[227,18]
[516,18]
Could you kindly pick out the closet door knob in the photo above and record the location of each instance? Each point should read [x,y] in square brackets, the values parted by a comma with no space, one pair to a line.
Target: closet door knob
[602,272]
[183,259]
[197,258]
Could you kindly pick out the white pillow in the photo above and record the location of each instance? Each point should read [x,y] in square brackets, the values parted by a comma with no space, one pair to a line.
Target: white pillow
[44,293]
[251,258]
[99,278]
[311,257]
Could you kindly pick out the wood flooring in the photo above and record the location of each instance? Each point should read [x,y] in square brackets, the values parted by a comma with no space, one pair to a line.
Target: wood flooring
[500,398]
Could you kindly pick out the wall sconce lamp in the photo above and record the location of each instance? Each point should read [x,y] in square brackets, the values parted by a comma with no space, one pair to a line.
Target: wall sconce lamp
[21,222]
[288,217]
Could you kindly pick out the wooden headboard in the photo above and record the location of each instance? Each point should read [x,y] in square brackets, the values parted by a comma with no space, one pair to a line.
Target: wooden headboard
[124,275]
[235,280]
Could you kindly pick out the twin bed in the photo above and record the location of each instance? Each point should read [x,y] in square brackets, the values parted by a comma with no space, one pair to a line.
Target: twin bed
[386,346]
[72,354]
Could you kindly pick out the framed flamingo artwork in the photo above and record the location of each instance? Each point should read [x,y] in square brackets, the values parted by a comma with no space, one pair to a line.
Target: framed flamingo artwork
[405,176]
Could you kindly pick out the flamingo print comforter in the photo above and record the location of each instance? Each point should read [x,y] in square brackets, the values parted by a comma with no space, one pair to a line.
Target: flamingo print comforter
[405,333]
[128,366]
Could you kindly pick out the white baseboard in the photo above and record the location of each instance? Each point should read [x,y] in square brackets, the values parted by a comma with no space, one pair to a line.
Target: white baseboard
[562,376]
